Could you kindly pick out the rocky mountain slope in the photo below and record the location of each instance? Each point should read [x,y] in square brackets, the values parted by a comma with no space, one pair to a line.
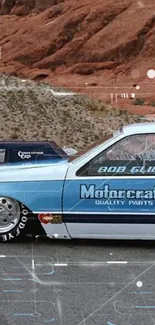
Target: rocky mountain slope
[41,112]
[105,44]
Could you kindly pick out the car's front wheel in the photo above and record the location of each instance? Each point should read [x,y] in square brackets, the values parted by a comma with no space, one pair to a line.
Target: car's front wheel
[13,218]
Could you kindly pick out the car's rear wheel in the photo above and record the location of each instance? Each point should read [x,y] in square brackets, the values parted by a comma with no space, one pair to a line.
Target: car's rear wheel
[13,218]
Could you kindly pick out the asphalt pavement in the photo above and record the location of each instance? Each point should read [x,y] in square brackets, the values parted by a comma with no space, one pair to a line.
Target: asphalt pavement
[79,282]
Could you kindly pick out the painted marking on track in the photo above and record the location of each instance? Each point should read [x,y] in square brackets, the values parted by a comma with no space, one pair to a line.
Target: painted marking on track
[149,307]
[12,279]
[33,266]
[12,290]
[50,320]
[60,264]
[117,262]
[22,314]
[141,292]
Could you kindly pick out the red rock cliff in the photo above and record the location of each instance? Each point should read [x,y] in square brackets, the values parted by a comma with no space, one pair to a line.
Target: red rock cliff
[102,42]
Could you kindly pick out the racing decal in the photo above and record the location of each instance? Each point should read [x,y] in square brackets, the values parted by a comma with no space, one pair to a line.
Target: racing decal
[115,195]
[109,196]
[17,230]
[93,192]
[129,201]
[126,169]
[136,167]
[50,218]
[28,155]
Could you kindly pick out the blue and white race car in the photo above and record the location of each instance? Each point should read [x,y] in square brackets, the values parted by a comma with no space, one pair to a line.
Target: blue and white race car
[106,192]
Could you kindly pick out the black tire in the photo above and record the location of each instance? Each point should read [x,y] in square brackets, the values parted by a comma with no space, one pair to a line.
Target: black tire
[13,219]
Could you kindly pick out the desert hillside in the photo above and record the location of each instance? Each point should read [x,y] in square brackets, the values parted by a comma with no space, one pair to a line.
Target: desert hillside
[42,112]
[97,47]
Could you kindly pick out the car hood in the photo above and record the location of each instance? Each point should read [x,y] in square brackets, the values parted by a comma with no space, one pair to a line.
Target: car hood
[30,172]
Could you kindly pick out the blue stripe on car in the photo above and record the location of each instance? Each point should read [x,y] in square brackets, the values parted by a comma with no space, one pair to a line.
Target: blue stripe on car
[109,218]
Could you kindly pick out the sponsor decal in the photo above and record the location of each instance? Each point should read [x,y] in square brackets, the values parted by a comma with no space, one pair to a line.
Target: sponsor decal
[109,196]
[28,155]
[49,218]
[24,155]
[16,232]
[124,169]
[91,192]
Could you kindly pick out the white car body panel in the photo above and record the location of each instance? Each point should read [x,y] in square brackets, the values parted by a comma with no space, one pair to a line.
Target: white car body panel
[34,172]
[112,231]
[56,231]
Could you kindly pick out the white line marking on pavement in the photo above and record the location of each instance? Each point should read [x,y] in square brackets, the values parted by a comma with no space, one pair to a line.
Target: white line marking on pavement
[60,264]
[33,266]
[117,262]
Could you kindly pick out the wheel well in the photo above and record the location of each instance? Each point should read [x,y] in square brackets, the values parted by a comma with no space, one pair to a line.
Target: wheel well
[33,225]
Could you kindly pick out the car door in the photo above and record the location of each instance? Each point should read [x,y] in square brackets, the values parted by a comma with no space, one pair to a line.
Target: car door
[112,194]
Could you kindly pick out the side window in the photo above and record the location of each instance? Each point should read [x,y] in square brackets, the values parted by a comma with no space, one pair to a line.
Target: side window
[133,155]
[2,156]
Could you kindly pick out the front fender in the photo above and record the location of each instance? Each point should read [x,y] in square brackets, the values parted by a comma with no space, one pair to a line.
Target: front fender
[38,196]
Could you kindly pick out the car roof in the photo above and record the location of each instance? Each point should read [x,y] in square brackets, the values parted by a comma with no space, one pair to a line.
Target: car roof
[135,128]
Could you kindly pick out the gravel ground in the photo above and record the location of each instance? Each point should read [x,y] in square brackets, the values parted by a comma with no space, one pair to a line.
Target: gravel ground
[82,282]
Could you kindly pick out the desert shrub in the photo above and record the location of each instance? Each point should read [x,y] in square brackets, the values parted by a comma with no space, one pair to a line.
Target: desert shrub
[139,101]
[14,136]
[152,104]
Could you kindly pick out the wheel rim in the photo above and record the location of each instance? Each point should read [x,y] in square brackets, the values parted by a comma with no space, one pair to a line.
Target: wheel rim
[9,214]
